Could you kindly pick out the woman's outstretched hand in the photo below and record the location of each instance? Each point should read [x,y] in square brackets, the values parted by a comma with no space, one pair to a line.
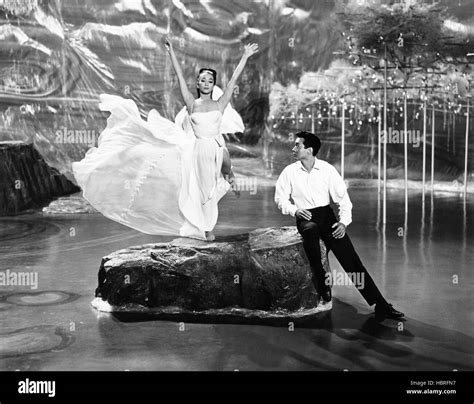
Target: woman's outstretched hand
[250,49]
[168,44]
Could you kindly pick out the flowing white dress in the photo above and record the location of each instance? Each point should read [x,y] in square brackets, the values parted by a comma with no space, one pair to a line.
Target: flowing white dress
[153,175]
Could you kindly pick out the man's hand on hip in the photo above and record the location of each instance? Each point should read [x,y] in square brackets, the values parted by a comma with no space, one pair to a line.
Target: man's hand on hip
[303,214]
[339,230]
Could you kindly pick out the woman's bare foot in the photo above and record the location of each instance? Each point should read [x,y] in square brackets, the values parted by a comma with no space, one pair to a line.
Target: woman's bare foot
[209,236]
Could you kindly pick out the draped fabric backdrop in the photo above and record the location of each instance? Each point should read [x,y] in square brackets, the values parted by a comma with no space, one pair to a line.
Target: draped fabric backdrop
[56,57]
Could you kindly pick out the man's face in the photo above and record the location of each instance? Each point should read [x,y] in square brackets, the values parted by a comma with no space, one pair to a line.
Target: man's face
[299,152]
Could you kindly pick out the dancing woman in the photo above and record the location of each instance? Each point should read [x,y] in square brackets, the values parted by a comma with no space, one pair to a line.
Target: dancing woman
[210,157]
[152,175]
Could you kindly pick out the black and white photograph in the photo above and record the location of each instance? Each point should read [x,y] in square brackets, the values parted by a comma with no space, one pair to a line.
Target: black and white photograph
[208,191]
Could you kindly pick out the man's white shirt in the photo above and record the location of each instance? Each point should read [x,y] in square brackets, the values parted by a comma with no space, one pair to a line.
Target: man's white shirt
[296,188]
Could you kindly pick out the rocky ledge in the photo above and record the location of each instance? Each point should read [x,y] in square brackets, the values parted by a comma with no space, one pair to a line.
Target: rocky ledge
[259,278]
[73,204]
[27,182]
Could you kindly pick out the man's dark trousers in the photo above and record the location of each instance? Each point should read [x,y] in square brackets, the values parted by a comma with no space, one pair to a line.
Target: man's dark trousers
[320,226]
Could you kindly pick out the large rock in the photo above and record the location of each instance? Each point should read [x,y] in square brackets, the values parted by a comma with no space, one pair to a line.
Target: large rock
[26,181]
[261,277]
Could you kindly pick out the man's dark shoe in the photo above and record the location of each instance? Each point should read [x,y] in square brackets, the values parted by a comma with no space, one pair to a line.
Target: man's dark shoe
[326,295]
[387,311]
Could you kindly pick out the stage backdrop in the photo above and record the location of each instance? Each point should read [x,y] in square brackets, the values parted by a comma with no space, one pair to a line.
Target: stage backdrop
[56,57]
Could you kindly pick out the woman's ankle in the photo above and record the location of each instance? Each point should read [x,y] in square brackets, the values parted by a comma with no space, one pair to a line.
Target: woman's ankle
[209,235]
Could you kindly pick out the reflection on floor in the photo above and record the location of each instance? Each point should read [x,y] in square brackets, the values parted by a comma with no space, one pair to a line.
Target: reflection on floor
[422,263]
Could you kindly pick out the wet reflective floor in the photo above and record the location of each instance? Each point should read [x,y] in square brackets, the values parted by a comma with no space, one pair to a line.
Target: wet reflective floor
[422,264]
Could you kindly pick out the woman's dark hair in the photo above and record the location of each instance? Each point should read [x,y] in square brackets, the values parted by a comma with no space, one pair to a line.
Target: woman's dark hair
[207,70]
[310,140]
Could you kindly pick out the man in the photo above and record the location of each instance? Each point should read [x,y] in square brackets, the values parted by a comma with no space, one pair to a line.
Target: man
[303,190]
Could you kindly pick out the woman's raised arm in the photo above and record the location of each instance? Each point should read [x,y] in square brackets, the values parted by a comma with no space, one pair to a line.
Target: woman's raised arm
[188,98]
[249,50]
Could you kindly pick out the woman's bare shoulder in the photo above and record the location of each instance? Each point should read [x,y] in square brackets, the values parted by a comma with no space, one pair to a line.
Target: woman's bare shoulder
[205,106]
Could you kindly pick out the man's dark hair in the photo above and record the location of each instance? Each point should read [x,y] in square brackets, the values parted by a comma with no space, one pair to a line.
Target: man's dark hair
[310,140]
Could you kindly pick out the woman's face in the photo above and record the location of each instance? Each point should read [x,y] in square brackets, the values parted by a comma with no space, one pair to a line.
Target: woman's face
[205,83]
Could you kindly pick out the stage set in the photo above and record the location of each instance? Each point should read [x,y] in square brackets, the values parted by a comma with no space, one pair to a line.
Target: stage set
[385,85]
